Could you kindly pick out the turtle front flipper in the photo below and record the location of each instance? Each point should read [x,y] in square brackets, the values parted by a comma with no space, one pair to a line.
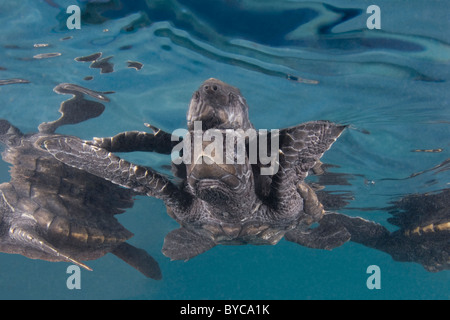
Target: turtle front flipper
[76,153]
[300,149]
[21,237]
[182,244]
[25,237]
[159,141]
[302,146]
[139,259]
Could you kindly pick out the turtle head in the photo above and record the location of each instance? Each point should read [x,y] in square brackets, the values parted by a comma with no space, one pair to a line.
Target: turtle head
[218,105]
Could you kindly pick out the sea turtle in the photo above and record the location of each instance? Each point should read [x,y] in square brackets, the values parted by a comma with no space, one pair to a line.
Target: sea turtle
[221,203]
[55,212]
[423,234]
[234,204]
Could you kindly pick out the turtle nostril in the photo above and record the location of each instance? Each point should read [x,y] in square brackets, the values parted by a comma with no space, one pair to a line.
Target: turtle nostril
[210,88]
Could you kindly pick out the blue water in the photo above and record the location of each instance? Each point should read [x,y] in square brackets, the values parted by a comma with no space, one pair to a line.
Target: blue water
[294,62]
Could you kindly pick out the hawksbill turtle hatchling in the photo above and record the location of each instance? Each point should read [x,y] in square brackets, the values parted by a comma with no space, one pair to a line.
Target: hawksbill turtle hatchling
[219,203]
[55,212]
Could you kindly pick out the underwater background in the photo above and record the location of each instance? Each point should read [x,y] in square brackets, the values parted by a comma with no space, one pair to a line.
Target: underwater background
[294,61]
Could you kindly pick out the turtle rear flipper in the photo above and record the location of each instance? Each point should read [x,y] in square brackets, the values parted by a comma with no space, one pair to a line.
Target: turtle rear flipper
[182,244]
[138,259]
[338,228]
[362,231]
[325,236]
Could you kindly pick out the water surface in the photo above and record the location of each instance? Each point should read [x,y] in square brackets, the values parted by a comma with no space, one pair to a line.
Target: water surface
[294,62]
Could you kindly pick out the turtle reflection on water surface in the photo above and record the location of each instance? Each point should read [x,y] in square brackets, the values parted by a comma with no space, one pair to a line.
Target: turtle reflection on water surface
[55,212]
